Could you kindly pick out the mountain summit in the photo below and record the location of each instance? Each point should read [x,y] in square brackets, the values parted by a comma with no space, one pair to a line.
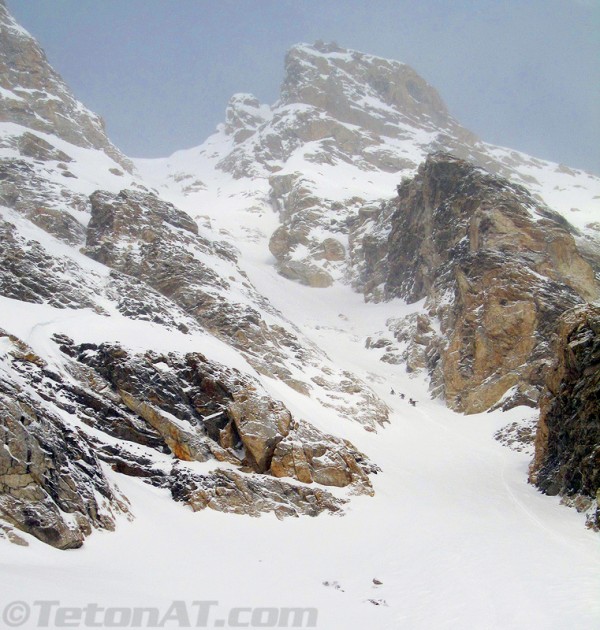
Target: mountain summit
[347,128]
[371,92]
[284,322]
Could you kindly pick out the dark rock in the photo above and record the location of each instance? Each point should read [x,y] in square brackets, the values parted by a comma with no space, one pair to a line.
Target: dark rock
[51,483]
[567,444]
[29,274]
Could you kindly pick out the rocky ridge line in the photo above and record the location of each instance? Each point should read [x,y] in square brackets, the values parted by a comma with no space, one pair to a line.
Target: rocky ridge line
[496,270]
[34,96]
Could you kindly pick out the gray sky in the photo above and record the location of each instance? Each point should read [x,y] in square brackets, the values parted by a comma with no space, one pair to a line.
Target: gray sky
[520,73]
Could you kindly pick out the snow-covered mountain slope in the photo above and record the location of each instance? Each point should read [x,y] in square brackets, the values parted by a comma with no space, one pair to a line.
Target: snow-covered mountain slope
[453,532]
[163,377]
[88,248]
[345,131]
[34,95]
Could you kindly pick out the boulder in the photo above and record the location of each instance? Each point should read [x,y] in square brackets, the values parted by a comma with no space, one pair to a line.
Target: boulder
[310,456]
[261,424]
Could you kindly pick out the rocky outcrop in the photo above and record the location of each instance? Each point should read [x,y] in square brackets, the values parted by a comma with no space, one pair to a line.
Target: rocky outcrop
[139,234]
[253,495]
[39,149]
[567,443]
[51,482]
[338,81]
[419,345]
[450,202]
[102,403]
[33,95]
[496,270]
[29,272]
[44,201]
[368,237]
[204,411]
[244,115]
[309,246]
[310,456]
[145,237]
[261,424]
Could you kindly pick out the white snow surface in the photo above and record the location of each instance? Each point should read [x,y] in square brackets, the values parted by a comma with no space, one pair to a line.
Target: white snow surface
[454,532]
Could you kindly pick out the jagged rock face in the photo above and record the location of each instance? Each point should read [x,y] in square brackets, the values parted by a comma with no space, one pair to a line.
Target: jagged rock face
[311,244]
[178,408]
[253,495]
[567,452]
[30,273]
[47,204]
[244,115]
[449,201]
[496,269]
[35,96]
[368,236]
[49,477]
[205,411]
[348,85]
[143,236]
[51,482]
[169,394]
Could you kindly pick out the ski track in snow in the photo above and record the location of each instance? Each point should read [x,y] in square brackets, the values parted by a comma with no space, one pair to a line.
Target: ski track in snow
[454,532]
